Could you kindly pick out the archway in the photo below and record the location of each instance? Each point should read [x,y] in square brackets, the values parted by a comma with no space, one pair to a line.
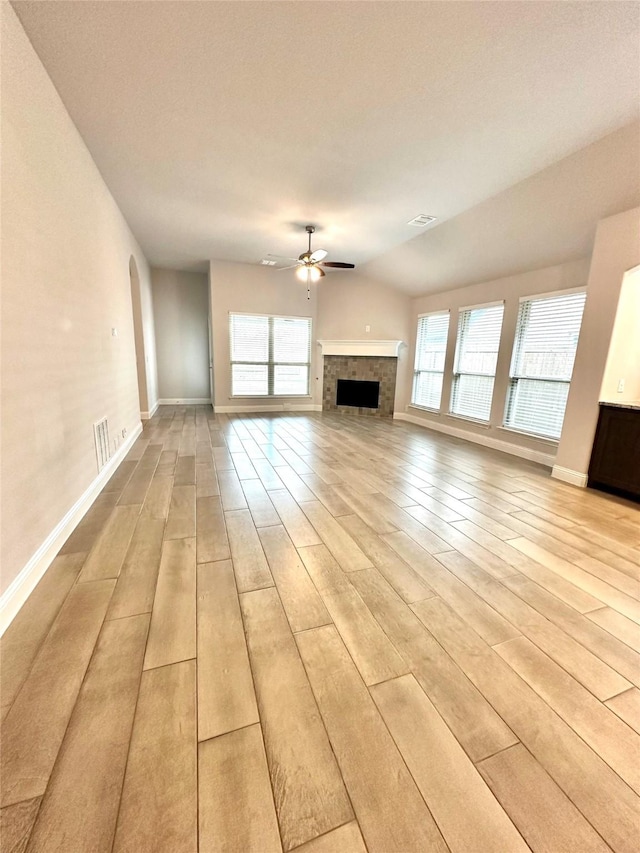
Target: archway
[141,363]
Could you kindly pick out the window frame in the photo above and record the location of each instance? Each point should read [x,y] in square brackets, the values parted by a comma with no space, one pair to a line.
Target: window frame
[456,373]
[270,363]
[445,312]
[514,378]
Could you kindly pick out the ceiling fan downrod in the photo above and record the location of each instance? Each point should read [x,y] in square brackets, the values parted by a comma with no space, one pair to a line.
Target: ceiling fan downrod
[306,256]
[310,229]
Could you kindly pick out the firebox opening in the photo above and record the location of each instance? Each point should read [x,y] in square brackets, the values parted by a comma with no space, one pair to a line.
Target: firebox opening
[358,393]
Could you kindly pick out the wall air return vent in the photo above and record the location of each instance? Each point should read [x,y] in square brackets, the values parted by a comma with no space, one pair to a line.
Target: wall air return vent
[422,220]
[101,438]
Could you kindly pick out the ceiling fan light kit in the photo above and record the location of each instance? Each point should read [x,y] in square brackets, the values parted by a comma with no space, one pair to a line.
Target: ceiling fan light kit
[309,264]
[309,273]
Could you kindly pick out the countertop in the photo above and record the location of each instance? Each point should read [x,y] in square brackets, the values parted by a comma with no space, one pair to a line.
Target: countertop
[630,404]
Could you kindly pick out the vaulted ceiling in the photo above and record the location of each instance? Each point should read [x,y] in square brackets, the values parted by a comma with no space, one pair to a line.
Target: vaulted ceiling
[222,128]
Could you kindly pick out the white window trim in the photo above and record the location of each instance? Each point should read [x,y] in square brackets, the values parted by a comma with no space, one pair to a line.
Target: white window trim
[425,409]
[548,295]
[481,305]
[270,362]
[434,313]
[445,312]
[268,396]
[553,293]
[476,421]
[456,374]
[545,438]
[278,316]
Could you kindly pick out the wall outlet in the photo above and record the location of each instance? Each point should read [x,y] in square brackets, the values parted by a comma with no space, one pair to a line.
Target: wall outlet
[621,386]
[367,328]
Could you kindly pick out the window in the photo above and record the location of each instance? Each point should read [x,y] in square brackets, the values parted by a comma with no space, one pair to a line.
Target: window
[431,346]
[270,356]
[476,357]
[542,363]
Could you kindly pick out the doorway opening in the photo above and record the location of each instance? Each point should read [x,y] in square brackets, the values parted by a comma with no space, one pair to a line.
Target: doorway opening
[141,363]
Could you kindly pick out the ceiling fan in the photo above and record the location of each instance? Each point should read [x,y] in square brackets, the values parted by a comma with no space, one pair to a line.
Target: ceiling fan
[309,264]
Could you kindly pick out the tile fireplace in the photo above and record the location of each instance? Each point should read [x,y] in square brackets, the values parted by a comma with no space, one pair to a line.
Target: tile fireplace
[357,380]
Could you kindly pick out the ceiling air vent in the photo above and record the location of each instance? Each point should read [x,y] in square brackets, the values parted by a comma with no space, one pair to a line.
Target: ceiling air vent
[421,220]
[267,263]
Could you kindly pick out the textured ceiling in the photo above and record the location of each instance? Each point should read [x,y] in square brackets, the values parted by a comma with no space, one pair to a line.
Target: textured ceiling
[546,219]
[222,128]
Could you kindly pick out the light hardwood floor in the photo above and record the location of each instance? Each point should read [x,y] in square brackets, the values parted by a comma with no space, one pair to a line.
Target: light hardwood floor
[331,635]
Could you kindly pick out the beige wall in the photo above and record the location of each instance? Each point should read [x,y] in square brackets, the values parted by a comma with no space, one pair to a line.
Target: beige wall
[562,277]
[181,310]
[615,251]
[348,303]
[65,285]
[255,290]
[623,361]
[341,306]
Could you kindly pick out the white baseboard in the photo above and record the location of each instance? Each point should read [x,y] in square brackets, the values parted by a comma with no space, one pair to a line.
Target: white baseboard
[569,476]
[146,416]
[184,401]
[276,407]
[546,459]
[25,582]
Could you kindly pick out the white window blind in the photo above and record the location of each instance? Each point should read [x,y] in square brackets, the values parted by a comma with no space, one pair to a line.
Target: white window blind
[542,363]
[270,356]
[431,346]
[476,358]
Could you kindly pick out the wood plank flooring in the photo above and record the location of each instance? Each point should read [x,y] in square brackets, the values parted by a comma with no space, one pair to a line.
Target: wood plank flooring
[327,634]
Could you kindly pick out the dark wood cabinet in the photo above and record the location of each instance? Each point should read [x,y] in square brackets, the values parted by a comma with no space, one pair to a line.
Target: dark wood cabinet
[615,458]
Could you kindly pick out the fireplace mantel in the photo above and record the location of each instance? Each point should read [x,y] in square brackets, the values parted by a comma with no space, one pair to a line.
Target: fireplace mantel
[386,349]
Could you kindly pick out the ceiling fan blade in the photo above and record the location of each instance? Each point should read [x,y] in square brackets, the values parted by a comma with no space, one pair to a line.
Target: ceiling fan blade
[318,255]
[282,258]
[291,267]
[338,266]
